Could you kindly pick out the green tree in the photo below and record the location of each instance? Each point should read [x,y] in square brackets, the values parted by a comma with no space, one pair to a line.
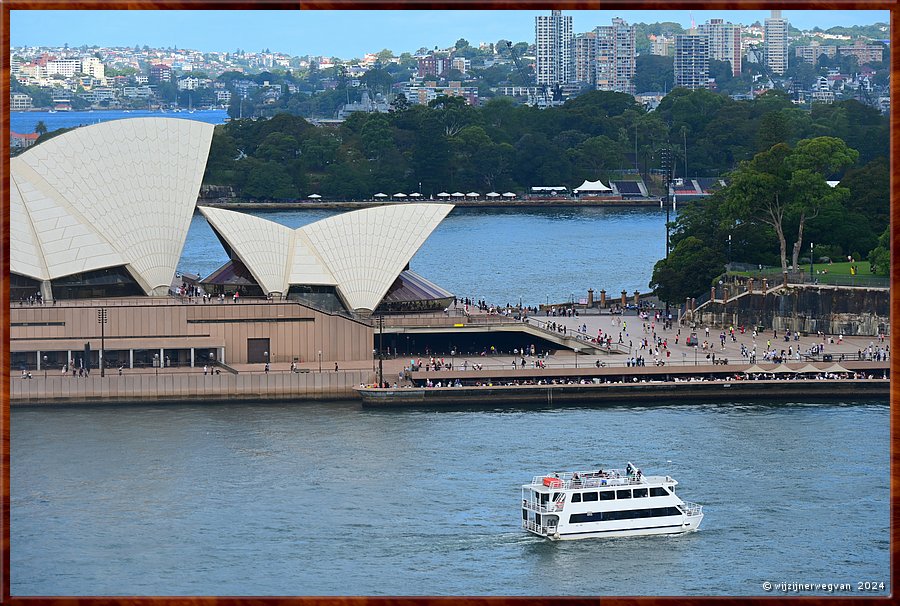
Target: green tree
[40,128]
[377,80]
[690,269]
[654,73]
[811,163]
[880,256]
[782,183]
[269,180]
[758,192]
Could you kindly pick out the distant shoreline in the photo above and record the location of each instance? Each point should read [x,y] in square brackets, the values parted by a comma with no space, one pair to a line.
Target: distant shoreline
[533,203]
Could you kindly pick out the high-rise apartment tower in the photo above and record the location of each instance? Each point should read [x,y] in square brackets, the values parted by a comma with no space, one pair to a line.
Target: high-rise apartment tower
[692,60]
[776,39]
[553,43]
[615,56]
[724,42]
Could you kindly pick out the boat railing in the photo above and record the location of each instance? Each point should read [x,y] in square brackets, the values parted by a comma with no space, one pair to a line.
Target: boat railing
[543,507]
[692,509]
[534,527]
[589,479]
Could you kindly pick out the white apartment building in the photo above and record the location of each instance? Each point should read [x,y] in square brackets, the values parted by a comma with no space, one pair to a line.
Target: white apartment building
[92,66]
[461,64]
[724,42]
[776,36]
[19,102]
[692,60]
[811,53]
[137,92]
[552,38]
[192,83]
[615,56]
[64,67]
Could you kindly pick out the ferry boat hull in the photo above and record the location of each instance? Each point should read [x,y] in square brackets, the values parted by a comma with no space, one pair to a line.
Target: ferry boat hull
[676,527]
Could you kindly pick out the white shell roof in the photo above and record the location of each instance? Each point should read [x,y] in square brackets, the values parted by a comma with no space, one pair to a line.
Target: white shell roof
[361,253]
[116,193]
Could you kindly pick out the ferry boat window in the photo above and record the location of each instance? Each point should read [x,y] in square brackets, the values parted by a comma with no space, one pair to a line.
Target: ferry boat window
[579,518]
[639,493]
[589,496]
[607,495]
[632,514]
[658,491]
[524,514]
[576,497]
[544,497]
[623,494]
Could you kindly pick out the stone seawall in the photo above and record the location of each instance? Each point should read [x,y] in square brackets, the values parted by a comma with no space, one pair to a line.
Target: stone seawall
[187,387]
[807,309]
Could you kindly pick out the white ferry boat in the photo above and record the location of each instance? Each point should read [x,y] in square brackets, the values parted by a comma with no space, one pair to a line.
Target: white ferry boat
[605,503]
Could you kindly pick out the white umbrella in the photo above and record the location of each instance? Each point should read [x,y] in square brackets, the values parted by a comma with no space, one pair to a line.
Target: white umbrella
[509,194]
[459,194]
[473,194]
[415,194]
[314,196]
[400,195]
[443,194]
[493,194]
[380,195]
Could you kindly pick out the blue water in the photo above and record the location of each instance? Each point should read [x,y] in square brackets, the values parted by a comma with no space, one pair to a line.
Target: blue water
[536,255]
[330,499]
[24,122]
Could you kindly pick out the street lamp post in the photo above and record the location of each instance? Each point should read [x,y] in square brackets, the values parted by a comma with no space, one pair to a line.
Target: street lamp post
[667,183]
[728,267]
[381,350]
[373,359]
[810,261]
[102,319]
[576,356]
[45,368]
[320,360]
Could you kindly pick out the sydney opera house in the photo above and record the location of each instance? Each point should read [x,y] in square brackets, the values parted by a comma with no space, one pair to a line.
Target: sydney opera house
[98,220]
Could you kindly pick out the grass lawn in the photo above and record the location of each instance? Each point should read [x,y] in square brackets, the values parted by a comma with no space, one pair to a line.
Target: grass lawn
[838,273]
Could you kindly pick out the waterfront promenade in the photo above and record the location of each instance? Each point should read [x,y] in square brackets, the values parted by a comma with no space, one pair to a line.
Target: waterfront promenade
[320,381]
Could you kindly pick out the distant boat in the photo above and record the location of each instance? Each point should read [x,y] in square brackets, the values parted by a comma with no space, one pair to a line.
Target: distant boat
[52,111]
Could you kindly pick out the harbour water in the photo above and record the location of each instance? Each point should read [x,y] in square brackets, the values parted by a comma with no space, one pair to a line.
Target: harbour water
[25,122]
[506,255]
[331,499]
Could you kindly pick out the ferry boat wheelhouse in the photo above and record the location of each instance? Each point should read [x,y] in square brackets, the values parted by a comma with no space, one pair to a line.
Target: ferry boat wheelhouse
[605,503]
